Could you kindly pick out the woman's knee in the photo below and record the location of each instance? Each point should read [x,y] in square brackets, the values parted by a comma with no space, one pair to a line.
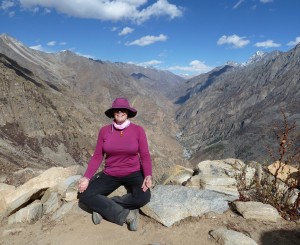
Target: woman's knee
[143,199]
[84,197]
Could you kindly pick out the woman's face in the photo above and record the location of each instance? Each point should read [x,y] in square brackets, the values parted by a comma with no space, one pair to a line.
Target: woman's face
[120,115]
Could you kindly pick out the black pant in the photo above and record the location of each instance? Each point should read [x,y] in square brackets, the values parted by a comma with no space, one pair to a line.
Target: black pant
[115,209]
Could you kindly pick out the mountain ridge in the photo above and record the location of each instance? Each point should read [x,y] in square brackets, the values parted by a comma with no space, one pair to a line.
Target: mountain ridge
[226,112]
[234,115]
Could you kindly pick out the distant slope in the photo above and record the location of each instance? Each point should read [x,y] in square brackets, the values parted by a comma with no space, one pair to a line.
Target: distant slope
[231,111]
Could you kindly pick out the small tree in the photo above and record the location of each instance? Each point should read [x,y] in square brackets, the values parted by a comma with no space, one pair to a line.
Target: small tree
[272,189]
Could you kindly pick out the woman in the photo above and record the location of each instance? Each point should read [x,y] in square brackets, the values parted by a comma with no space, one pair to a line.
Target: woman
[127,162]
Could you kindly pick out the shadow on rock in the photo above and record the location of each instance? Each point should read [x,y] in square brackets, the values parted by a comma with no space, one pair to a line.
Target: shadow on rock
[286,237]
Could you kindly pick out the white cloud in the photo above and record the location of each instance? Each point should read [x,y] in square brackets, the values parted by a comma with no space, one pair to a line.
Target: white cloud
[236,41]
[126,31]
[163,53]
[266,1]
[267,44]
[195,66]
[116,10]
[37,47]
[147,63]
[86,55]
[62,43]
[52,43]
[294,43]
[238,4]
[147,40]
[161,7]
[11,14]
[114,28]
[6,4]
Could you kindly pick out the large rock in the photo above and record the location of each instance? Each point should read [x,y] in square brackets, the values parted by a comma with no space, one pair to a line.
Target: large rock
[227,167]
[68,188]
[285,172]
[6,189]
[30,213]
[219,176]
[230,237]
[172,203]
[177,175]
[34,188]
[257,211]
[222,184]
[71,181]
[64,209]
[51,201]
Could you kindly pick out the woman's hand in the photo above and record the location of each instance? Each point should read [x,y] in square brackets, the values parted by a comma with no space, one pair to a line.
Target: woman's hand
[147,183]
[83,184]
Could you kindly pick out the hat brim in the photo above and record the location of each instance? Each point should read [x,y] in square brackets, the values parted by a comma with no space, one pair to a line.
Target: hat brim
[131,112]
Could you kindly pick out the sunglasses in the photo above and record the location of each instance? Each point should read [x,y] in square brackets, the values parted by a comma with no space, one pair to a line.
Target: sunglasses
[120,110]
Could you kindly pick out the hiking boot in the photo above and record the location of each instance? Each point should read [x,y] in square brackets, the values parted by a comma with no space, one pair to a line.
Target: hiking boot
[132,220]
[96,217]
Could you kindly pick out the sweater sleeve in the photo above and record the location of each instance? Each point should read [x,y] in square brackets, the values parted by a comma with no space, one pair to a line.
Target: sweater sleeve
[144,153]
[97,157]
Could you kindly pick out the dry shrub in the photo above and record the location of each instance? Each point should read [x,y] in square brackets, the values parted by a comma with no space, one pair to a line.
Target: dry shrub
[278,186]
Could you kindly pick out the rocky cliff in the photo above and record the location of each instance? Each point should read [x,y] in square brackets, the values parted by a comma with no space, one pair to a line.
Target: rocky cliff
[231,111]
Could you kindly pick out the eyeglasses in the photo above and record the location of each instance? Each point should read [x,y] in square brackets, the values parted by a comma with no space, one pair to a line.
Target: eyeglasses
[120,111]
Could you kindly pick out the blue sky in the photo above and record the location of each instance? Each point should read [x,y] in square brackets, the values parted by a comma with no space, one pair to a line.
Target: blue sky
[184,37]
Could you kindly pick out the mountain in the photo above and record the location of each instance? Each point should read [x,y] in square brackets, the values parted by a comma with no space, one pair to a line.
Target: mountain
[260,57]
[231,111]
[53,105]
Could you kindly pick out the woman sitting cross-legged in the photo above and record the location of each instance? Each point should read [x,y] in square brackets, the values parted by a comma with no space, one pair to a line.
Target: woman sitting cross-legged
[124,147]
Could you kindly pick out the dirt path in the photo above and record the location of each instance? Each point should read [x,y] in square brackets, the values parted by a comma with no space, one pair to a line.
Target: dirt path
[78,229]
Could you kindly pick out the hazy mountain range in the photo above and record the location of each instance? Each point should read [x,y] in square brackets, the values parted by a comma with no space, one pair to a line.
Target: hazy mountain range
[52,106]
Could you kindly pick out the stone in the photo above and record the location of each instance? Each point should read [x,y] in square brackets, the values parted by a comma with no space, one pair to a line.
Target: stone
[171,203]
[194,182]
[51,201]
[291,197]
[65,184]
[71,195]
[285,172]
[34,187]
[5,189]
[227,167]
[63,210]
[257,211]
[178,175]
[222,184]
[231,237]
[254,174]
[217,181]
[23,175]
[249,176]
[29,214]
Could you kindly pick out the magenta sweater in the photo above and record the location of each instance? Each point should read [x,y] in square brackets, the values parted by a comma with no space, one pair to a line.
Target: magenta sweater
[125,152]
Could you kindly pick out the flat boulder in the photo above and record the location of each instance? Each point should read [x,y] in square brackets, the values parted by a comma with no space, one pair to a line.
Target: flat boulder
[231,237]
[257,211]
[171,203]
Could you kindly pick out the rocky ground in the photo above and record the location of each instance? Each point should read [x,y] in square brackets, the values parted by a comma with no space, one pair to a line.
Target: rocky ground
[76,228]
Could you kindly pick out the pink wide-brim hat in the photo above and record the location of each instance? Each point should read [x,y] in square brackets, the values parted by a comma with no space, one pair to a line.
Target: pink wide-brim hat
[121,103]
